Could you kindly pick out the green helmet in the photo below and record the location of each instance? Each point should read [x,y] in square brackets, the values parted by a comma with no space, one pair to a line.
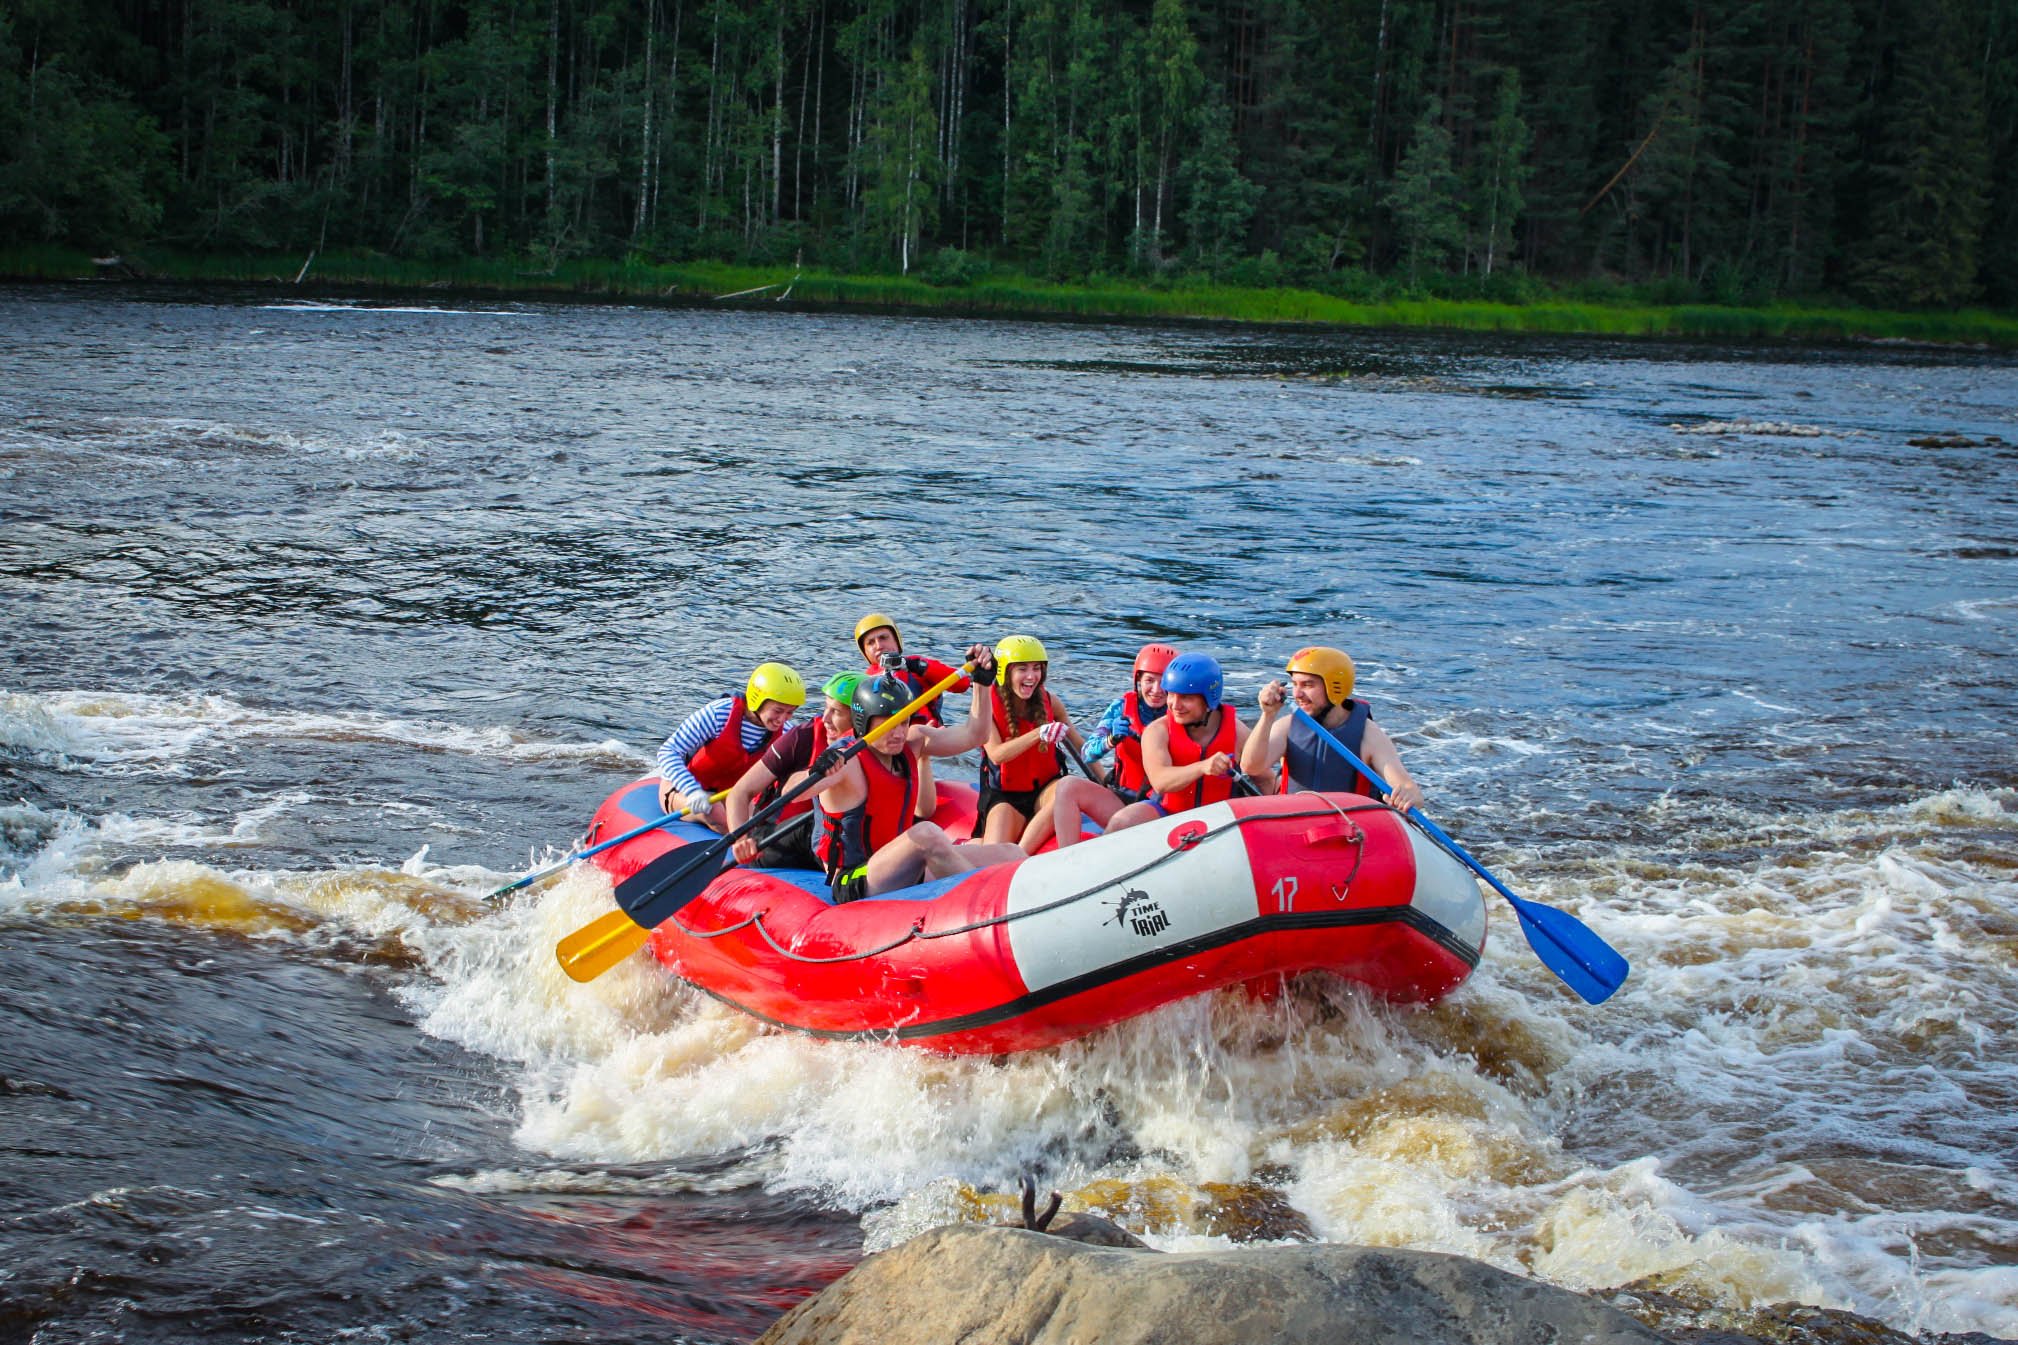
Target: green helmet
[841,687]
[875,697]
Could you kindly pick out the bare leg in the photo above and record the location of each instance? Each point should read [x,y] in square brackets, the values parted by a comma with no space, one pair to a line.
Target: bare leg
[901,862]
[971,856]
[1133,815]
[1005,824]
[1081,798]
[926,851]
[1039,829]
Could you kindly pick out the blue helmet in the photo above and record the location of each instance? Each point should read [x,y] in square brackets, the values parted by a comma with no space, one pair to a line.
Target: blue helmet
[1196,675]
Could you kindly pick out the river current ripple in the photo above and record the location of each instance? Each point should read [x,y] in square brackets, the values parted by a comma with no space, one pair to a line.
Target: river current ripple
[323,616]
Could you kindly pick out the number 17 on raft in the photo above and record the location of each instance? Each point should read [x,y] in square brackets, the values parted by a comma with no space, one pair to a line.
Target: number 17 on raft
[1284,893]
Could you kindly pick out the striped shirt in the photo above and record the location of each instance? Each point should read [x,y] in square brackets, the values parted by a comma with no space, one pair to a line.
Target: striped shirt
[702,727]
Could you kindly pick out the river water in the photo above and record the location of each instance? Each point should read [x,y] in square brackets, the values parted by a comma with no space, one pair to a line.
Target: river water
[322,618]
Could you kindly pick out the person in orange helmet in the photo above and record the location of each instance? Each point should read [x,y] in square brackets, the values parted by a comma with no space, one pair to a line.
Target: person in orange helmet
[1321,680]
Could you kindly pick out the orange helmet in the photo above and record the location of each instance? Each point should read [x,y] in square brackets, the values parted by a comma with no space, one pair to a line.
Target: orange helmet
[1154,658]
[1331,664]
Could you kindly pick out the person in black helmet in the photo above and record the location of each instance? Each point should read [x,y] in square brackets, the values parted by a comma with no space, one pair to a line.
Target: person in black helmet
[874,836]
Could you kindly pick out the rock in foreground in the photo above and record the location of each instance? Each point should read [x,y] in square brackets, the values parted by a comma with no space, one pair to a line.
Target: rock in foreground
[1004,1286]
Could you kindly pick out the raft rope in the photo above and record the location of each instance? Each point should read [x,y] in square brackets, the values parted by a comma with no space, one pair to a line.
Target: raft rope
[918,930]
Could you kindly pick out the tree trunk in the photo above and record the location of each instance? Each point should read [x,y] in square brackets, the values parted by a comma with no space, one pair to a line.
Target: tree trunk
[553,105]
[645,142]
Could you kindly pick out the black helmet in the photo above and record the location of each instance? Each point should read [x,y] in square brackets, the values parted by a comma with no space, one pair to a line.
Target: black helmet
[876,696]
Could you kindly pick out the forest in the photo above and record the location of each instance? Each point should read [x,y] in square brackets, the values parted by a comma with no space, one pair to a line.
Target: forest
[1728,151]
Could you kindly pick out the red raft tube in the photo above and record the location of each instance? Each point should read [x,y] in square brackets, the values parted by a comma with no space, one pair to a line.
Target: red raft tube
[1042,950]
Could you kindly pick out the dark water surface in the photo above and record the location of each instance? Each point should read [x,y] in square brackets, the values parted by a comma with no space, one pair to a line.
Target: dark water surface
[321,618]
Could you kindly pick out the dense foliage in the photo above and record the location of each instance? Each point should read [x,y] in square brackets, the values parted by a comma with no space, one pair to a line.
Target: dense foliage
[1731,149]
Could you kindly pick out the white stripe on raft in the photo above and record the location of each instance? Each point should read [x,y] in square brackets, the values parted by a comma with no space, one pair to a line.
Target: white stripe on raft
[1446,892]
[1194,892]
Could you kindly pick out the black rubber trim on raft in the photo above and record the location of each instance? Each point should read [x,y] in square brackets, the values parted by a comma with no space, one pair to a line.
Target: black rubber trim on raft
[1051,994]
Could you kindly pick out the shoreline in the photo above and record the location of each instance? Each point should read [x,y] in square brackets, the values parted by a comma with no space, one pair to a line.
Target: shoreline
[1022,297]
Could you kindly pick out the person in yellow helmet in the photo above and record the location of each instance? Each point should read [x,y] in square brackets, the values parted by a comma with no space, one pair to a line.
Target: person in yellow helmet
[882,645]
[1284,747]
[1027,723]
[714,745]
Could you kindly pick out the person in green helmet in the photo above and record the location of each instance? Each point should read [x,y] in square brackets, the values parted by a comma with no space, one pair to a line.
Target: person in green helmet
[784,763]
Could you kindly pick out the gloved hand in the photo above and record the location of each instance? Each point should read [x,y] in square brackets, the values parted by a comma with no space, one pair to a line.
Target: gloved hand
[1054,732]
[917,665]
[824,763]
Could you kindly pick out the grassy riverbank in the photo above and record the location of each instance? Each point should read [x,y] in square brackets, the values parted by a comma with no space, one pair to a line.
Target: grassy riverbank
[994,293]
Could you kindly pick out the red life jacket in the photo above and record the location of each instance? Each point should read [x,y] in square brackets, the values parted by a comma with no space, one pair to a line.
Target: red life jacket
[1037,767]
[1186,752]
[818,734]
[722,760]
[847,840]
[1130,775]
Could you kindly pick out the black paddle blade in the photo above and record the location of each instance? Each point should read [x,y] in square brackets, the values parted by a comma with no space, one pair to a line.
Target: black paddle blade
[669,882]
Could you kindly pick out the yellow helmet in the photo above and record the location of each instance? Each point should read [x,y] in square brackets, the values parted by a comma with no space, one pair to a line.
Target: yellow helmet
[1017,649]
[1331,664]
[873,620]
[774,682]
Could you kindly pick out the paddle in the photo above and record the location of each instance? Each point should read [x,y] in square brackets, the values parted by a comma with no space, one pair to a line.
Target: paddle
[597,849]
[1583,961]
[650,896]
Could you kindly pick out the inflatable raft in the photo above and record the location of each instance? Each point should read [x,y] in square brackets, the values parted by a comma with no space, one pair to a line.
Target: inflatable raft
[1037,952]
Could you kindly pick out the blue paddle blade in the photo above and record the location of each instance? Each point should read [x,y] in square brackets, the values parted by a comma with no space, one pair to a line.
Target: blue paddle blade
[1566,946]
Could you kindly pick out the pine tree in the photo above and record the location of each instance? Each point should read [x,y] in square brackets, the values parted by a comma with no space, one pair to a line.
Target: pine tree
[902,162]
[1928,175]
[1502,174]
[1428,214]
[1219,201]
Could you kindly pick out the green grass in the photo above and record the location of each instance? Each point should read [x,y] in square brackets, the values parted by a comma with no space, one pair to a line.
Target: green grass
[1005,294]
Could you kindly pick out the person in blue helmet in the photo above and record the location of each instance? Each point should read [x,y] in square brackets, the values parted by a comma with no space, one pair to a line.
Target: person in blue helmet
[1191,755]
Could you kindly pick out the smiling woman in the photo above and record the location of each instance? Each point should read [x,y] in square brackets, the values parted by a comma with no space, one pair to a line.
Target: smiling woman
[320,625]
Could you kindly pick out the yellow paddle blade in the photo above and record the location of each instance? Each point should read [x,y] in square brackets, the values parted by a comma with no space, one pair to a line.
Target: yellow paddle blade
[599,945]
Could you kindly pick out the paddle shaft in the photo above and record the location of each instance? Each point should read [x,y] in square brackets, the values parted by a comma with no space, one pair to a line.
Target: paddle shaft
[1569,948]
[599,847]
[777,805]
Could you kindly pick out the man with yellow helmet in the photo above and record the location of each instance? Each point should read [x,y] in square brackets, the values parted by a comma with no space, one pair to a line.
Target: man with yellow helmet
[712,748]
[876,635]
[1321,680]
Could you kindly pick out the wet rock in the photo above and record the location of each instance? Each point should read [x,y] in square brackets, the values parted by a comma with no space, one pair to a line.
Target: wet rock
[1952,440]
[1006,1286]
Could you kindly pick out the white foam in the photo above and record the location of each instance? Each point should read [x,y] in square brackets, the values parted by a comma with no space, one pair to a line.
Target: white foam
[1833,989]
[138,730]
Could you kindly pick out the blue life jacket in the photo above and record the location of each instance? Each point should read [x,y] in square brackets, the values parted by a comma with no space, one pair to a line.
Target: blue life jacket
[1311,763]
